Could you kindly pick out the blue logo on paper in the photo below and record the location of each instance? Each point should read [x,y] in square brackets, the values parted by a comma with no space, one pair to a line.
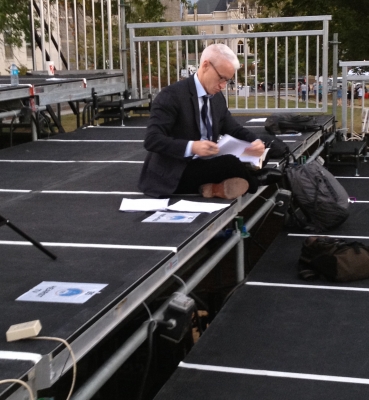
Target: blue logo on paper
[177,217]
[70,292]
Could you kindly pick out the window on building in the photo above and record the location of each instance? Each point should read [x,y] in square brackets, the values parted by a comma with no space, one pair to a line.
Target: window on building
[240,47]
[29,50]
[7,46]
[239,27]
[221,28]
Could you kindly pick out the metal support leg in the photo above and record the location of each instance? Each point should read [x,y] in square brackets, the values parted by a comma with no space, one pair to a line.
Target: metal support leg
[34,127]
[240,272]
[357,158]
[121,110]
[55,119]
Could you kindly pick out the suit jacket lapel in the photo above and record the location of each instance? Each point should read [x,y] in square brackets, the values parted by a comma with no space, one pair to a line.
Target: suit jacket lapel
[195,101]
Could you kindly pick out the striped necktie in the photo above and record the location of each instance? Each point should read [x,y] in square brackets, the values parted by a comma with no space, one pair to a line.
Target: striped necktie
[205,118]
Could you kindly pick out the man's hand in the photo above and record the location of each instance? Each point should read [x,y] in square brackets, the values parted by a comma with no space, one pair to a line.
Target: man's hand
[256,149]
[204,148]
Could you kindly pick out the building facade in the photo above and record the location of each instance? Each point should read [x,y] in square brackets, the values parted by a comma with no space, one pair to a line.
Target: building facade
[210,10]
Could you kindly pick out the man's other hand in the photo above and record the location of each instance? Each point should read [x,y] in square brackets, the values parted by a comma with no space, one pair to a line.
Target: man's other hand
[204,148]
[256,149]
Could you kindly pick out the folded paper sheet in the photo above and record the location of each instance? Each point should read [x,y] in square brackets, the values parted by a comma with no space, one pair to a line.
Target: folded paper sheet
[131,205]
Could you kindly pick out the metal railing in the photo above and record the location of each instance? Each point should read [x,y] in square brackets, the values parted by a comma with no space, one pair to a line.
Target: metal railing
[348,83]
[278,57]
[84,34]
[89,34]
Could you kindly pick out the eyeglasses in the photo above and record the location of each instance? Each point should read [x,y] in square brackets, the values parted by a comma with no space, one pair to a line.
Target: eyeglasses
[222,79]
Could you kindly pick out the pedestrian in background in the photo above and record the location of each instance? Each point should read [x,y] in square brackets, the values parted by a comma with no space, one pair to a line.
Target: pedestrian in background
[349,93]
[303,91]
[314,88]
[339,95]
[360,94]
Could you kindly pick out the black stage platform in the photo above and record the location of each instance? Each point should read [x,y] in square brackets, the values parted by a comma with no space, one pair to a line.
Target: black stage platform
[279,337]
[70,86]
[38,93]
[65,192]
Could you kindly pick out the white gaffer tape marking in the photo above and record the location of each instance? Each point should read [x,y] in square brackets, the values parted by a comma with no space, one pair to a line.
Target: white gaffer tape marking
[115,127]
[87,192]
[291,285]
[15,191]
[278,374]
[352,177]
[90,245]
[17,355]
[72,161]
[70,192]
[333,236]
[90,141]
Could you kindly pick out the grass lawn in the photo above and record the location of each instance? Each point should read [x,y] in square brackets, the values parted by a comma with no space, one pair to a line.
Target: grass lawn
[262,101]
[69,122]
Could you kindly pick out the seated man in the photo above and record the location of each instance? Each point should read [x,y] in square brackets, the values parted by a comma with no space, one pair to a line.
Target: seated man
[187,118]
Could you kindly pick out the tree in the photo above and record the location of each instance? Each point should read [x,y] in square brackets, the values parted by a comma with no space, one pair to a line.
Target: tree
[189,30]
[350,19]
[15,16]
[14,21]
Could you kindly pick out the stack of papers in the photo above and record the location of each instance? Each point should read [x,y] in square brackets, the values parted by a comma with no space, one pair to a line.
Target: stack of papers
[230,145]
[195,206]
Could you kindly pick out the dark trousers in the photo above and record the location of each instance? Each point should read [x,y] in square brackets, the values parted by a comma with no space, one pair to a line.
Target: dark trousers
[214,170]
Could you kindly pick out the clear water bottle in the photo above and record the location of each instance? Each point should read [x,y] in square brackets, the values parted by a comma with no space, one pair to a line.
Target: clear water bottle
[14,75]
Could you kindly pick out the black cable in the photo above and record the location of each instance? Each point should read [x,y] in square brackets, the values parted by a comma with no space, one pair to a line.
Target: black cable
[248,262]
[150,340]
[259,245]
[198,321]
[199,301]
[262,223]
[229,295]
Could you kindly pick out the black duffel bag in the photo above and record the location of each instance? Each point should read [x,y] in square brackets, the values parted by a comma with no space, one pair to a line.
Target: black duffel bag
[277,124]
[333,259]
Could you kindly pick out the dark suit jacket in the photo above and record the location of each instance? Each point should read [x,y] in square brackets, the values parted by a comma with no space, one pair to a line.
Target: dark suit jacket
[174,120]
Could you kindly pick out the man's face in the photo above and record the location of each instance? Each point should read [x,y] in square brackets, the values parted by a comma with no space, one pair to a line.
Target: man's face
[215,75]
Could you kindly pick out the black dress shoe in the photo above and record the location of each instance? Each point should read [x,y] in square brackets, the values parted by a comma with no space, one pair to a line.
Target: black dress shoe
[268,176]
[228,189]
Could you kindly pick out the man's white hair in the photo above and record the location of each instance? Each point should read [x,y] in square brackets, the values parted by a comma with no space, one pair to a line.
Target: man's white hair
[214,52]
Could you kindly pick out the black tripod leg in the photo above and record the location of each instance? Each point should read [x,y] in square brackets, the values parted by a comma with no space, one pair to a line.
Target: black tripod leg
[34,242]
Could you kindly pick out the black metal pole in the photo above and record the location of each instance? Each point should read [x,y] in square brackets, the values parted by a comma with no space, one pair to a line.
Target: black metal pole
[4,221]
